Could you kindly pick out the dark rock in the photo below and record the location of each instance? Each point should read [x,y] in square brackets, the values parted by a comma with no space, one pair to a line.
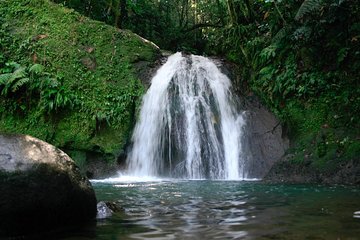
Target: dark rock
[98,166]
[264,141]
[146,70]
[41,188]
[286,171]
[100,169]
[94,164]
[114,207]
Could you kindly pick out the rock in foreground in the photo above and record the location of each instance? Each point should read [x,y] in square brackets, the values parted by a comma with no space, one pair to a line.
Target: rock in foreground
[41,188]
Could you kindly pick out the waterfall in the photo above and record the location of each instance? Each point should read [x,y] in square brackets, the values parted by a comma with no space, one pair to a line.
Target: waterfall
[188,125]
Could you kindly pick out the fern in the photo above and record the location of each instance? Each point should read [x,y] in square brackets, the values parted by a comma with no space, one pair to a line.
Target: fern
[19,83]
[307,7]
[13,79]
[4,78]
[18,73]
[268,53]
[36,69]
[280,35]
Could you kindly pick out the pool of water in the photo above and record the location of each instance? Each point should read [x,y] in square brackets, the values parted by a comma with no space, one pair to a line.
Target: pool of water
[173,209]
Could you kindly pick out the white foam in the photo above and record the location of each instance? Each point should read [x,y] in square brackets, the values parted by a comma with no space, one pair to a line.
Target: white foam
[144,179]
[357,214]
[127,179]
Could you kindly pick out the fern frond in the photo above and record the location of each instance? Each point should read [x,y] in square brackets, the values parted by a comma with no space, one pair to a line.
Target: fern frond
[18,73]
[19,83]
[307,7]
[37,69]
[280,35]
[4,78]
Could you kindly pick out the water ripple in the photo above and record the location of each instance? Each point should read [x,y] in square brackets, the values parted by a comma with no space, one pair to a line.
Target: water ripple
[232,210]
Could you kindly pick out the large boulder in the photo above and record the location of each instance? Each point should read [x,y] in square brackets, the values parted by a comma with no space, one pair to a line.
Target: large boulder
[41,188]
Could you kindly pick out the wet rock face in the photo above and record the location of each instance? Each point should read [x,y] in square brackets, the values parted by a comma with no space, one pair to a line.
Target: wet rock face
[285,171]
[41,188]
[264,142]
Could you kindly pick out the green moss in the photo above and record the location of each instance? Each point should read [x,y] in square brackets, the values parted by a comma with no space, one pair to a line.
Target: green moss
[93,61]
[110,138]
[75,131]
[306,119]
[34,125]
[317,135]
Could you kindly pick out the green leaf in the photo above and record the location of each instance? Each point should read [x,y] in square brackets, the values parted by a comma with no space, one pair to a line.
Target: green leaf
[266,70]
[14,65]
[343,52]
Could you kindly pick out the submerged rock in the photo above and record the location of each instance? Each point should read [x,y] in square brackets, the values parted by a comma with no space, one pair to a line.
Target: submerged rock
[41,188]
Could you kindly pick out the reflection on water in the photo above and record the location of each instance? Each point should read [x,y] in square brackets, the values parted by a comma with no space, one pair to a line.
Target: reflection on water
[228,210]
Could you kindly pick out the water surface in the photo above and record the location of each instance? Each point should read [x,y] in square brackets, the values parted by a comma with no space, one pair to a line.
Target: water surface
[171,209]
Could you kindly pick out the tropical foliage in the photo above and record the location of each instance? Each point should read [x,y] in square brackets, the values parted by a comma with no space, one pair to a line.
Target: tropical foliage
[301,57]
[67,79]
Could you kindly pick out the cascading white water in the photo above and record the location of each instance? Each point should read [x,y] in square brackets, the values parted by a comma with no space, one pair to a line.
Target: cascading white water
[188,126]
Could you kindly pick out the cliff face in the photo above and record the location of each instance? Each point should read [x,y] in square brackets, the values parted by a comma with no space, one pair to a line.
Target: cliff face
[264,142]
[80,84]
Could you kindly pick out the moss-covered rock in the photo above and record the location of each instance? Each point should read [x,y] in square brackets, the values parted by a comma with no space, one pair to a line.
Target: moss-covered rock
[94,65]
[324,148]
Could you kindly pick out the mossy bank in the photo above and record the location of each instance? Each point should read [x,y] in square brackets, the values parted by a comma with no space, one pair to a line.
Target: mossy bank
[69,80]
[324,147]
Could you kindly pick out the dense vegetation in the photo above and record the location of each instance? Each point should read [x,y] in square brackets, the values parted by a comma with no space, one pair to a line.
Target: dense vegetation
[68,80]
[301,57]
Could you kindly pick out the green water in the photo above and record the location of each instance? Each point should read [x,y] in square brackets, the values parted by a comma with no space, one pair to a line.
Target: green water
[228,210]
